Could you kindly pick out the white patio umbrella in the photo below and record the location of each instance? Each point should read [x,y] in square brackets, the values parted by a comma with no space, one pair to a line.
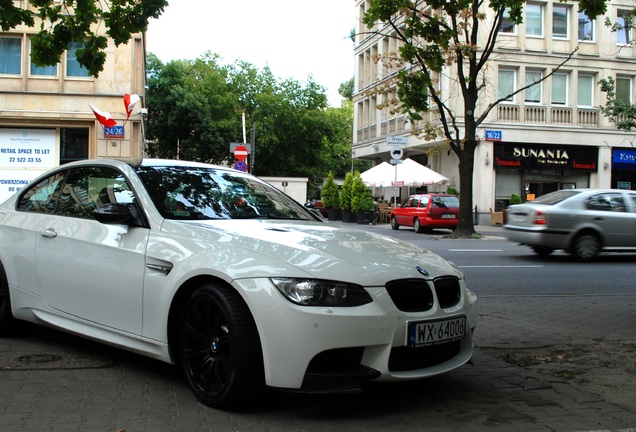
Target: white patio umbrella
[408,173]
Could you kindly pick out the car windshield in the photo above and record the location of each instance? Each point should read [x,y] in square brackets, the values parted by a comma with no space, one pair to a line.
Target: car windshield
[555,197]
[195,193]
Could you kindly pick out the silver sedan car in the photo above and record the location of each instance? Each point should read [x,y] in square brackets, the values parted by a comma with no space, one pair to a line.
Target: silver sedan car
[583,222]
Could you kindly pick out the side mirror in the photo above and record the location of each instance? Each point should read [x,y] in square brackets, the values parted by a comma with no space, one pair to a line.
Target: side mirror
[116,214]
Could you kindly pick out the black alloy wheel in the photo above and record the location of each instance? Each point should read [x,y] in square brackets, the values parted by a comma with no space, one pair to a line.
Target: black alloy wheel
[219,347]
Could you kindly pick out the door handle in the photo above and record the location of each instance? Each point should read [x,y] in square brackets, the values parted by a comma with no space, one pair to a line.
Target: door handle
[48,233]
[599,218]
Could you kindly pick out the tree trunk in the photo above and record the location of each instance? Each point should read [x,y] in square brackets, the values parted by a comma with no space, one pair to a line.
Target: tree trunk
[466,224]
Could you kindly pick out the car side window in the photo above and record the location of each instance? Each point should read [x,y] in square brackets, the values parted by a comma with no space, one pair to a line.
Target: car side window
[42,197]
[632,197]
[415,202]
[607,202]
[425,201]
[87,188]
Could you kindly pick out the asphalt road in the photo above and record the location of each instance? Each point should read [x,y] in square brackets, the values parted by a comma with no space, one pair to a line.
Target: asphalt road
[50,381]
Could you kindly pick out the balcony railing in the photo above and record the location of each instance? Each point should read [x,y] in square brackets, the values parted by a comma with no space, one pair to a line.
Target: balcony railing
[556,115]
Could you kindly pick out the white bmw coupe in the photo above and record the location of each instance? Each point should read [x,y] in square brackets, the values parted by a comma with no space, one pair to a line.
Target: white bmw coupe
[222,274]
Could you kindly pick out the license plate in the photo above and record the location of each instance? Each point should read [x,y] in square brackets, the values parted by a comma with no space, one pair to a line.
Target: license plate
[425,333]
[448,216]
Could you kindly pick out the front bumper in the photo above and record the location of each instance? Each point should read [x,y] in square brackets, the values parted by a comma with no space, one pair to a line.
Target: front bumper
[334,349]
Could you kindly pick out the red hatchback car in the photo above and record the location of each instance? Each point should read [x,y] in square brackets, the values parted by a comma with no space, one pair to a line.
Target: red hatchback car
[427,211]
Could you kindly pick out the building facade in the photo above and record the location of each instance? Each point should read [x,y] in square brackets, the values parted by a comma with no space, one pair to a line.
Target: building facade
[551,136]
[45,117]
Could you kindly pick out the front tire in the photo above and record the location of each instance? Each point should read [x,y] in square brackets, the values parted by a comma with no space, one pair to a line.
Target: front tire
[586,247]
[7,321]
[219,348]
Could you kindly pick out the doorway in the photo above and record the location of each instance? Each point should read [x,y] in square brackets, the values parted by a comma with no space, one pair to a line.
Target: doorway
[537,189]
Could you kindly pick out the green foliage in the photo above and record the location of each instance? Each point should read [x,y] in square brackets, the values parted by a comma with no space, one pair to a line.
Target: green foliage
[74,20]
[330,193]
[345,193]
[346,89]
[361,199]
[199,104]
[515,199]
[192,110]
[452,191]
[617,110]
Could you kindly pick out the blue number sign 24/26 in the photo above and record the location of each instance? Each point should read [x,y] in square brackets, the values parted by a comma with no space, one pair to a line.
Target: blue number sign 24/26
[493,135]
[115,131]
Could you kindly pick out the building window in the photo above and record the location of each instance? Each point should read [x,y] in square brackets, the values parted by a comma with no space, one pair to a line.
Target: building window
[10,55]
[507,26]
[559,89]
[73,68]
[506,84]
[560,19]
[73,144]
[534,19]
[586,28]
[533,94]
[624,27]
[585,96]
[624,89]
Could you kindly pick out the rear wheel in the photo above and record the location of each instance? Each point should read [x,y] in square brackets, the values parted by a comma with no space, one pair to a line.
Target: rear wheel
[417,226]
[394,224]
[586,247]
[542,250]
[219,348]
[7,322]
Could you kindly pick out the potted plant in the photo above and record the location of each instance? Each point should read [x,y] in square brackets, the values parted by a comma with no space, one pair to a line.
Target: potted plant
[331,198]
[362,204]
[345,198]
[514,199]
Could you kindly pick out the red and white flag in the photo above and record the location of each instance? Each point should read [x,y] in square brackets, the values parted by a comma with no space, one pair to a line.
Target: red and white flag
[129,102]
[103,117]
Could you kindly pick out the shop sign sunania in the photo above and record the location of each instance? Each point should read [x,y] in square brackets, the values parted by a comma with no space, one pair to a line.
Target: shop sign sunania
[538,156]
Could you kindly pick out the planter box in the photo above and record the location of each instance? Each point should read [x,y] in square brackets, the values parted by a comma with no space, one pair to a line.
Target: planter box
[334,214]
[348,217]
[365,217]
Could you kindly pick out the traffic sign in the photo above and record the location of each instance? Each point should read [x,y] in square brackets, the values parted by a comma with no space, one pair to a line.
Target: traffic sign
[240,152]
[397,153]
[397,141]
[240,165]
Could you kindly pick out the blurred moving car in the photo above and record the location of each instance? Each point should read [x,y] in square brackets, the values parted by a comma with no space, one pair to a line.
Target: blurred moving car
[583,222]
[317,205]
[218,272]
[424,212]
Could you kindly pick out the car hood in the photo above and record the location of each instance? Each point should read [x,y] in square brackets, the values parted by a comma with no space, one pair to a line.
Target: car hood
[319,250]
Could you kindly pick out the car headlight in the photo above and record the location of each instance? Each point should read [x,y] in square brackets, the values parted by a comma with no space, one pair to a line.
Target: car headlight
[317,292]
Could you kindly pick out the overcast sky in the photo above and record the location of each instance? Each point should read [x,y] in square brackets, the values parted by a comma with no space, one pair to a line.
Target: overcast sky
[295,38]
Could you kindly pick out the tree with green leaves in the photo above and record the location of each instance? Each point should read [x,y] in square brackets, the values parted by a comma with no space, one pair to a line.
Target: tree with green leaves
[196,108]
[62,23]
[436,36]
[193,112]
